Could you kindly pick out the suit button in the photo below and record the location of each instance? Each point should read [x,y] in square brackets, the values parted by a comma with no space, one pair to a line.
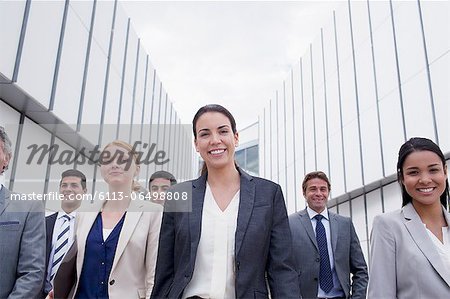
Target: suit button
[112,282]
[315,278]
[317,259]
[186,276]
[238,265]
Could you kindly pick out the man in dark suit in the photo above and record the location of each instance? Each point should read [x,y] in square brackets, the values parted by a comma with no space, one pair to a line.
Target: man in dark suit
[22,238]
[326,247]
[62,224]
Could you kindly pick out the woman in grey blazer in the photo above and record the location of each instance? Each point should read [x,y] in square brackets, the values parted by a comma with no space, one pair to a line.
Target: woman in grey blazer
[410,248]
[236,240]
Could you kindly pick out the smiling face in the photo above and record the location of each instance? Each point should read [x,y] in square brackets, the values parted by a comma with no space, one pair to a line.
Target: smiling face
[215,140]
[316,194]
[71,188]
[118,168]
[424,177]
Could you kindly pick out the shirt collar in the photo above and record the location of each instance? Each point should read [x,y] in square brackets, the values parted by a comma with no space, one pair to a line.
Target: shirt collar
[62,213]
[313,213]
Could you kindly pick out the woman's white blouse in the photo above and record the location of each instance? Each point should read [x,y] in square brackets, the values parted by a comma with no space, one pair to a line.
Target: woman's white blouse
[106,233]
[442,248]
[214,275]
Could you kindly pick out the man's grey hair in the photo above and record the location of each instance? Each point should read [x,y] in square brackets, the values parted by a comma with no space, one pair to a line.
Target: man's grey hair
[6,145]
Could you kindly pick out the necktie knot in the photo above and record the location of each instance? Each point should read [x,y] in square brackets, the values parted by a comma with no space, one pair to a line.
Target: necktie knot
[66,218]
[319,217]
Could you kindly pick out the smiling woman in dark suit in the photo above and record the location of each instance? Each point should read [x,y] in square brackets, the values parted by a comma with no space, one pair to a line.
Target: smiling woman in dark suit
[237,232]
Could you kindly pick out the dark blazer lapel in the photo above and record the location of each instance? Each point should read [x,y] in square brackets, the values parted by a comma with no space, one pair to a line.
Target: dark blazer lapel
[420,236]
[306,222]
[246,201]
[334,229]
[195,217]
[49,227]
[50,223]
[4,199]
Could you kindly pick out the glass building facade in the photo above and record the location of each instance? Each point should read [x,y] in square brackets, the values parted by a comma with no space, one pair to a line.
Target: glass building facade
[74,74]
[247,153]
[376,75]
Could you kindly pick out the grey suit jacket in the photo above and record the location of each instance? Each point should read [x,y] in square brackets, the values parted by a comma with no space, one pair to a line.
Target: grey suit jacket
[22,247]
[348,256]
[263,244]
[404,261]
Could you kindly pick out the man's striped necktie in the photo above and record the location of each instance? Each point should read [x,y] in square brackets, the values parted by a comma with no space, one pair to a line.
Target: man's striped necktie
[61,246]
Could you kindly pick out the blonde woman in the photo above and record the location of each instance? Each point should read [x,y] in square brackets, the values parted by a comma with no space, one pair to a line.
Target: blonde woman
[117,246]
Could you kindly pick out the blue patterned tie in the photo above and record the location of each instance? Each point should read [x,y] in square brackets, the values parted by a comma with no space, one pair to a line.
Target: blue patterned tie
[325,275]
[61,246]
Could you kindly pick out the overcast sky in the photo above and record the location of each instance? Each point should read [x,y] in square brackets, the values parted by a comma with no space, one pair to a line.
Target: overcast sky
[232,53]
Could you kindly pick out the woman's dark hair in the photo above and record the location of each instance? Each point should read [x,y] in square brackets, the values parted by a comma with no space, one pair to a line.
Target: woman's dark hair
[212,108]
[417,144]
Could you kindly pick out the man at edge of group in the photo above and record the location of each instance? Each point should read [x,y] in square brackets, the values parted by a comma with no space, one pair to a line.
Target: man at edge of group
[326,247]
[22,238]
[60,226]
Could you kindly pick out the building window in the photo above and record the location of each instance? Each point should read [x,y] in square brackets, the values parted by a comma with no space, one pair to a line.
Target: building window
[248,159]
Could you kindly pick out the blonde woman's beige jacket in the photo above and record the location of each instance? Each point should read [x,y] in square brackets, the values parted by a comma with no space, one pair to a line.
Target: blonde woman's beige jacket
[133,270]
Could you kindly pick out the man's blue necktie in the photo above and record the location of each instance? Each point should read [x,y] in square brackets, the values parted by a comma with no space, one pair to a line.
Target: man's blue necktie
[325,275]
[61,246]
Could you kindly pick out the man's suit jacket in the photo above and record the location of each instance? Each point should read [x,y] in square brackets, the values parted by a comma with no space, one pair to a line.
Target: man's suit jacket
[133,270]
[404,260]
[347,253]
[262,243]
[22,247]
[49,227]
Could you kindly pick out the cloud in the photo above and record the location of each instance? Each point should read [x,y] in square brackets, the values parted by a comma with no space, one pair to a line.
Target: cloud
[232,53]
